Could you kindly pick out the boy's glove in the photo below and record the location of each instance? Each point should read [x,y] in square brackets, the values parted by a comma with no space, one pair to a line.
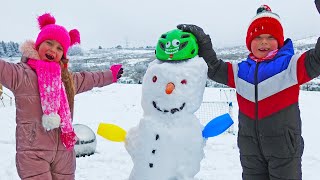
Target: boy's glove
[196,31]
[204,42]
[117,72]
[317,2]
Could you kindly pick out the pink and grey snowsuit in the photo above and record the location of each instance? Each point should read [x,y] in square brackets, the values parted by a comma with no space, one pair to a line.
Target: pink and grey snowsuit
[40,153]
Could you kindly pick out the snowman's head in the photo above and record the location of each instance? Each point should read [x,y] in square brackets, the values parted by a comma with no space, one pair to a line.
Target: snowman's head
[173,88]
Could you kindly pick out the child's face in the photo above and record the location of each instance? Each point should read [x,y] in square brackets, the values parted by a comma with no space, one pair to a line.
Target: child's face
[50,50]
[263,44]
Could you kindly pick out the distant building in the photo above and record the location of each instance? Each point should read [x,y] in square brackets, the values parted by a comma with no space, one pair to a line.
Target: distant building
[119,47]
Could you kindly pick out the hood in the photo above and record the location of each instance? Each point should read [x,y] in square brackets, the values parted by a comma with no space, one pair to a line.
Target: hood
[286,50]
[28,50]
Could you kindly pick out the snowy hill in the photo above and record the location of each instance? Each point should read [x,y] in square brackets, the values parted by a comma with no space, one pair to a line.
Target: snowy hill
[135,61]
[241,52]
[306,41]
[120,104]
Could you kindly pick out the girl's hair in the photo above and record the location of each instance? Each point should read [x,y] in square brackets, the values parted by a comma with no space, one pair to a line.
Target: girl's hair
[67,80]
[1,90]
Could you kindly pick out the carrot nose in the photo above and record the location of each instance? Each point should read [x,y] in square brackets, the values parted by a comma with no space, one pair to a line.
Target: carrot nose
[169,88]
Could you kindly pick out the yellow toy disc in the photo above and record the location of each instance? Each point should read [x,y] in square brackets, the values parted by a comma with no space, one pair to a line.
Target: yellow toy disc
[112,132]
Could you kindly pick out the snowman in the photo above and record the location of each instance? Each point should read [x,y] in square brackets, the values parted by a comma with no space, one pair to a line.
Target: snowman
[168,144]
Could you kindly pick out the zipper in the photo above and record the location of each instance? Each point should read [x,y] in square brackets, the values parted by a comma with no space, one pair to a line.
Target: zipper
[256,94]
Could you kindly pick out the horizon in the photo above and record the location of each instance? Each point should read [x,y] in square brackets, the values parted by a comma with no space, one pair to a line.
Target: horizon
[308,40]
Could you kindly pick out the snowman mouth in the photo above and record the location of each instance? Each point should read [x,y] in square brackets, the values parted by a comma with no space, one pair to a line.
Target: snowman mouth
[172,51]
[172,111]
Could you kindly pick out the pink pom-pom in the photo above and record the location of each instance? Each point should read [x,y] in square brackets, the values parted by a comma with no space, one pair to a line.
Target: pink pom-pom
[46,19]
[74,36]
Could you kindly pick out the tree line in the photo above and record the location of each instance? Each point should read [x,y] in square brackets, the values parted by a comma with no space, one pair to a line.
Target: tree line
[9,49]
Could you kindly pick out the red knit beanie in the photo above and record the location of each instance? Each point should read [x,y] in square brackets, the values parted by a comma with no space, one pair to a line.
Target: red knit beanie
[265,22]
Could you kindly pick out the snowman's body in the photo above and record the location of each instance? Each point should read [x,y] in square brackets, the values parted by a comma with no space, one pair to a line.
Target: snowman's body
[166,151]
[168,144]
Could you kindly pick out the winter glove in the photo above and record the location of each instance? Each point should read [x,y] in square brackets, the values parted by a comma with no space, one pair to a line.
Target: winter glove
[217,69]
[317,2]
[117,72]
[69,139]
[204,43]
[197,31]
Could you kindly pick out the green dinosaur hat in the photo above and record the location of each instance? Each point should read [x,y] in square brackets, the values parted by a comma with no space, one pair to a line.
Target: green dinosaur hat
[176,45]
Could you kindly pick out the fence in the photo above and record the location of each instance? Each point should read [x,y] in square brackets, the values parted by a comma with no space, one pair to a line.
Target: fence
[212,109]
[4,100]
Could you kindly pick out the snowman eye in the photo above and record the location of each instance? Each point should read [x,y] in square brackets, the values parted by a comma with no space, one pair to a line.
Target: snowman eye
[168,44]
[154,79]
[175,43]
[184,81]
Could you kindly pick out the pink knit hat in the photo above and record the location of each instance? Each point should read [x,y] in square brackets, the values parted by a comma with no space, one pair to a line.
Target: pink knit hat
[51,31]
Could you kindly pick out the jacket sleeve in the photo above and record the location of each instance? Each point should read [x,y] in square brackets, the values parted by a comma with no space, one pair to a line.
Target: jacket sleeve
[218,70]
[10,75]
[309,64]
[85,81]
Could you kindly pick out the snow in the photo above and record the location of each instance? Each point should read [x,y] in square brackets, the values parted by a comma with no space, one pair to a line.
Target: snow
[110,52]
[136,51]
[121,104]
[308,40]
[134,61]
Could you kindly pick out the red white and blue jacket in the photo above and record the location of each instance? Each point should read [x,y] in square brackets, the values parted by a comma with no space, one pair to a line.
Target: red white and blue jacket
[261,85]
[267,94]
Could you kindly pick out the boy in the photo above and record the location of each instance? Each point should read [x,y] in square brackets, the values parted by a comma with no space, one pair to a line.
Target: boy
[267,85]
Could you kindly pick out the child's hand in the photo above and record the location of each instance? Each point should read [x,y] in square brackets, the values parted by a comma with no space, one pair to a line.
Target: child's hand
[117,71]
[204,42]
[317,2]
[69,139]
[195,30]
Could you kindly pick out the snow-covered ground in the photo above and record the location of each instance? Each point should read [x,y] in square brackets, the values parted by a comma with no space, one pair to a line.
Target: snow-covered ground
[120,104]
[307,40]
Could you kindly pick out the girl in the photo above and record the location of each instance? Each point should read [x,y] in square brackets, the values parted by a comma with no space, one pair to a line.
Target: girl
[44,92]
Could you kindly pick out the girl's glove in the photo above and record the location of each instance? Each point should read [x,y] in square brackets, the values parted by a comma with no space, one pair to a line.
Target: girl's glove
[117,71]
[69,139]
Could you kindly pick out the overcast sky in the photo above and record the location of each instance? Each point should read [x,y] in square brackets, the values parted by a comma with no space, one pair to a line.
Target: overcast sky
[140,22]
